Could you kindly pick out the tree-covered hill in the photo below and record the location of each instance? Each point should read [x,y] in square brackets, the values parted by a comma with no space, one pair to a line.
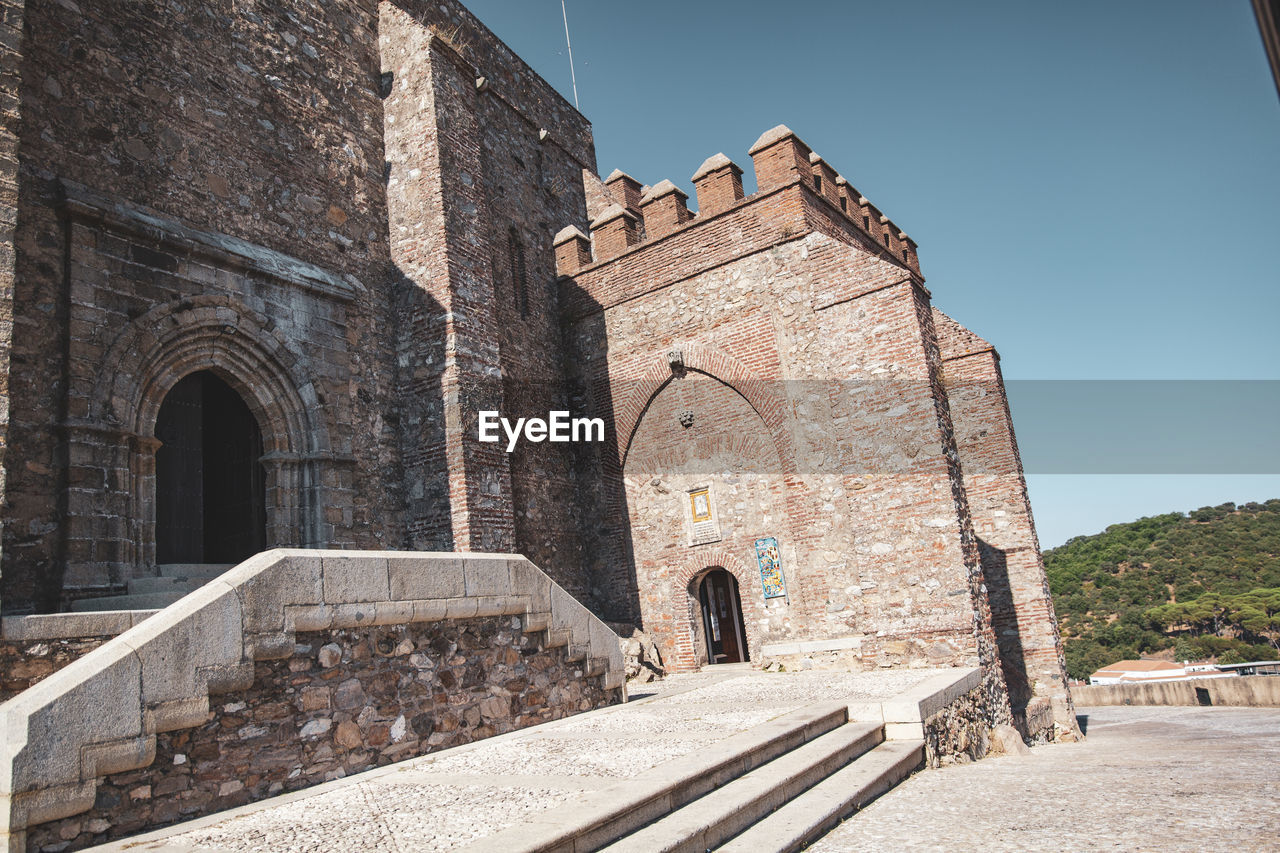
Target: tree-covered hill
[1205,584]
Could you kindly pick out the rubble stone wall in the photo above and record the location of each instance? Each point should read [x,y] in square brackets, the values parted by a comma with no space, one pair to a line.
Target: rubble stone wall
[256,123]
[319,662]
[1022,613]
[11,16]
[345,701]
[25,662]
[34,647]
[962,728]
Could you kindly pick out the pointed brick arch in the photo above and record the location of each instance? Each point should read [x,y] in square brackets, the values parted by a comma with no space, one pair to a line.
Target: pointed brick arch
[764,395]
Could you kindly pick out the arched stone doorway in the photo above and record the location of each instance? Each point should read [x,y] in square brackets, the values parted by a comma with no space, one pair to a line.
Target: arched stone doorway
[210,482]
[723,629]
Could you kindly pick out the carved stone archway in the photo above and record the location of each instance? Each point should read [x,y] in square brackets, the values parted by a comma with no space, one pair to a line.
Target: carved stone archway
[112,529]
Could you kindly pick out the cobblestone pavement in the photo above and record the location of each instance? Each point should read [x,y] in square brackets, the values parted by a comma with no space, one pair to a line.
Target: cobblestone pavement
[452,798]
[1166,779]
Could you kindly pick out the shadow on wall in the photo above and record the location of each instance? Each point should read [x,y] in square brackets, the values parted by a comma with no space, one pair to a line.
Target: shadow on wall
[1004,621]
[603,511]
[418,415]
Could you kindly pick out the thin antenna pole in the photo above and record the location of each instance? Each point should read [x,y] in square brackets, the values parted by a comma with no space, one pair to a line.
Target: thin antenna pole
[572,75]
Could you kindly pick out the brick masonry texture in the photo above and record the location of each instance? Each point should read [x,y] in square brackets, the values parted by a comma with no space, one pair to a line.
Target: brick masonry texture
[346,211]
[345,701]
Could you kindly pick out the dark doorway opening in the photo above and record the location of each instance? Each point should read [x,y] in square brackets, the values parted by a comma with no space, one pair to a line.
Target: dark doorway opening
[210,483]
[722,623]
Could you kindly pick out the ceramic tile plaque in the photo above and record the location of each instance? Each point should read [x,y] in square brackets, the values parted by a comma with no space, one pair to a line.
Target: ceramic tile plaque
[767,557]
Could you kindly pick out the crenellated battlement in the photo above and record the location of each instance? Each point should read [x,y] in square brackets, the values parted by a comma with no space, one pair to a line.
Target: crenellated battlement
[780,159]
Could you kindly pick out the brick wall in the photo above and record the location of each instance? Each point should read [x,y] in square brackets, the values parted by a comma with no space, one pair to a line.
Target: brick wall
[824,348]
[477,176]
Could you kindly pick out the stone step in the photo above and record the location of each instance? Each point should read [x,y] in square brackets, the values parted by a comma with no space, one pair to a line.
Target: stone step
[142,586]
[609,813]
[193,570]
[143,601]
[806,817]
[729,809]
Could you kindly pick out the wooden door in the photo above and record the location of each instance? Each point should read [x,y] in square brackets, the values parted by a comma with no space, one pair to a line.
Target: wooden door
[234,482]
[722,618]
[180,474]
[210,483]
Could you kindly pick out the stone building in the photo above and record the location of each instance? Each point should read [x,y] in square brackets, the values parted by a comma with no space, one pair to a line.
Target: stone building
[266,261]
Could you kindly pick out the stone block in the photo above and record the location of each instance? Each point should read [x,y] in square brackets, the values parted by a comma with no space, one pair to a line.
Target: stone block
[91,700]
[354,579]
[931,696]
[292,578]
[175,714]
[497,605]
[604,644]
[567,613]
[30,808]
[903,731]
[117,756]
[307,617]
[486,575]
[425,576]
[393,612]
[432,610]
[202,630]
[56,626]
[527,579]
[461,608]
[353,615]
[272,646]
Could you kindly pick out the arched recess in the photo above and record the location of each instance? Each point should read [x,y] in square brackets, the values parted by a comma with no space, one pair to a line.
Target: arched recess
[765,396]
[726,455]
[214,333]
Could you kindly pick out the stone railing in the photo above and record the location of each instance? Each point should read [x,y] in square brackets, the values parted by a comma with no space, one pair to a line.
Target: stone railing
[453,624]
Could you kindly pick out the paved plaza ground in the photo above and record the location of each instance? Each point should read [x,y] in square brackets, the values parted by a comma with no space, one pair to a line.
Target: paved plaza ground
[1146,779]
[1158,779]
[458,797]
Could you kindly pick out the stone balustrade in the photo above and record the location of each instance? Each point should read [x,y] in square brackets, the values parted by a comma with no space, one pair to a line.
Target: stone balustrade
[271,636]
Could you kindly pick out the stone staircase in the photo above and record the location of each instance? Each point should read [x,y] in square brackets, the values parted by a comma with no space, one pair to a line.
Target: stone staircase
[776,787]
[173,581]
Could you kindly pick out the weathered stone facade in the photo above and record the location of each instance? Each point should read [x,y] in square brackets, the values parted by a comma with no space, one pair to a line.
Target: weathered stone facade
[367,221]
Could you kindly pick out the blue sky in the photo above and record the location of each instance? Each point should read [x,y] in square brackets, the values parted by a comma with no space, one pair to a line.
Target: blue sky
[1094,187]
